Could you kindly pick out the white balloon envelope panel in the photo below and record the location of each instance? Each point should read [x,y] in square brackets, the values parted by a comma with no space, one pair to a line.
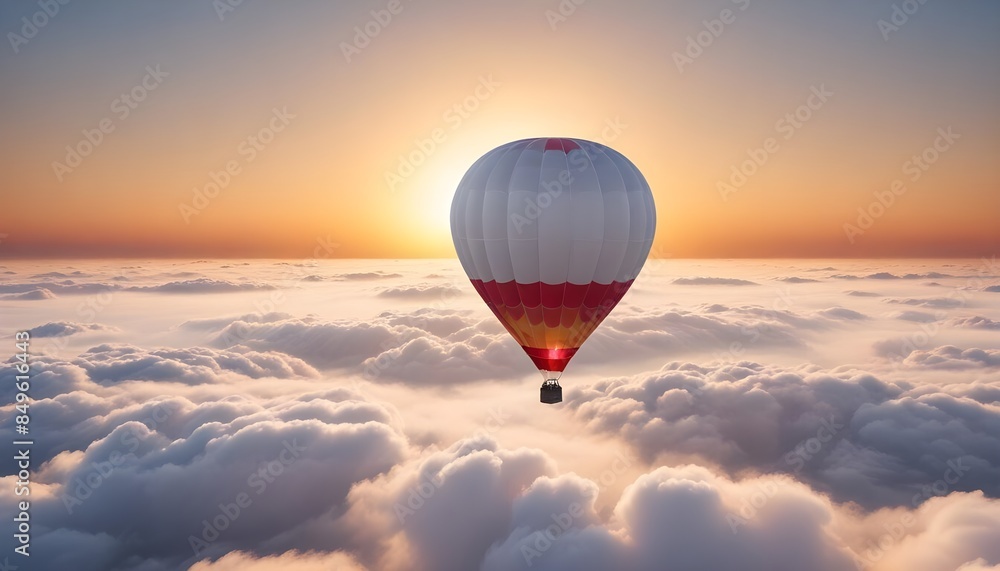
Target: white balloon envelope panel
[552,232]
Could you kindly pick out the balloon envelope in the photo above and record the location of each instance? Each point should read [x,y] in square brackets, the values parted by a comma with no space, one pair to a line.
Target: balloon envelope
[552,232]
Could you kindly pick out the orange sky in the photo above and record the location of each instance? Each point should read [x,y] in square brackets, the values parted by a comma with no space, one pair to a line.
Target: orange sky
[323,175]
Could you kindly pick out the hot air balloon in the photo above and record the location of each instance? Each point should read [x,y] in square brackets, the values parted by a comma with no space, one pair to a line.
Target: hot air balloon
[552,232]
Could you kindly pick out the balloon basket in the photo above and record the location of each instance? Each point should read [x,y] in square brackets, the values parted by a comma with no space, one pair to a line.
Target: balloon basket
[551,392]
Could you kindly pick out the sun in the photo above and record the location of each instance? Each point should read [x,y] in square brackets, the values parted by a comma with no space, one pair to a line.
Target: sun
[432,191]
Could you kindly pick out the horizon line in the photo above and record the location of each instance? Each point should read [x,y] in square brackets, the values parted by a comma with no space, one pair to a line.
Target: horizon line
[160,257]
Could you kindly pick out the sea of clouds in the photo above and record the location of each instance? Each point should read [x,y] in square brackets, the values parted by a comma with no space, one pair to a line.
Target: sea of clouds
[729,415]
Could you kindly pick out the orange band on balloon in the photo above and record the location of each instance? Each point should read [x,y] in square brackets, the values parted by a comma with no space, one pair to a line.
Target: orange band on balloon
[550,321]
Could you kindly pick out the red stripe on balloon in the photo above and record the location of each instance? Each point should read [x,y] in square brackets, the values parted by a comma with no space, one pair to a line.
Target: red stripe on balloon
[593,296]
[573,296]
[550,359]
[564,145]
[530,294]
[494,293]
[548,306]
[552,294]
[508,290]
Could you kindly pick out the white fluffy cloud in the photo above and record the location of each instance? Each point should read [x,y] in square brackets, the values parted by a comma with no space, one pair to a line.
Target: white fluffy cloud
[849,434]
[436,346]
[66,328]
[684,515]
[797,280]
[216,323]
[366,276]
[917,316]
[713,281]
[892,276]
[975,322]
[84,399]
[979,564]
[961,531]
[64,287]
[117,363]
[951,357]
[715,329]
[935,302]
[421,292]
[428,346]
[446,510]
[220,476]
[242,561]
[29,295]
[202,285]
[476,506]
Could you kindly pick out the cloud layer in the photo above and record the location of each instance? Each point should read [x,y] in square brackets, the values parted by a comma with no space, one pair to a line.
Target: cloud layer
[850,434]
[329,416]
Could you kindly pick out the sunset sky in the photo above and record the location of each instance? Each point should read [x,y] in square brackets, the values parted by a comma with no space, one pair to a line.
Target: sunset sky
[239,336]
[337,118]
